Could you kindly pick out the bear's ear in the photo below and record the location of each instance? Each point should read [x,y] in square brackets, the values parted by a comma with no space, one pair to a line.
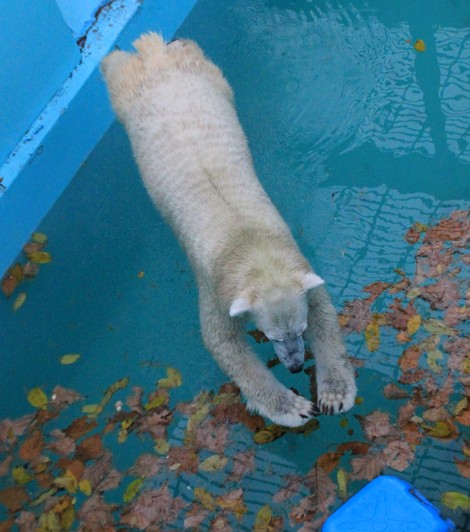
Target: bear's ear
[239,305]
[311,280]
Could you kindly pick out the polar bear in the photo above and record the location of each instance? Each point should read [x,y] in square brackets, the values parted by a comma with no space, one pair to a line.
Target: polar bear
[193,156]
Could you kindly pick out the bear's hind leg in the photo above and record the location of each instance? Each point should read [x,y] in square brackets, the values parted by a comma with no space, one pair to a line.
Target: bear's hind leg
[223,337]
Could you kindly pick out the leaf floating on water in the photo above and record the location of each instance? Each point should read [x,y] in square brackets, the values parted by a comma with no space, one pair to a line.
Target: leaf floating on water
[454,500]
[432,360]
[419,45]
[132,489]
[372,335]
[20,475]
[40,257]
[205,498]
[263,519]
[85,487]
[37,398]
[213,463]
[172,380]
[69,359]
[157,401]
[39,238]
[161,446]
[413,324]
[269,434]
[436,326]
[19,301]
[92,410]
[342,481]
[233,501]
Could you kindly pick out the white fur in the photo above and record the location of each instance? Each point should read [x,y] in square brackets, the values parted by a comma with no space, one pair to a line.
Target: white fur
[194,159]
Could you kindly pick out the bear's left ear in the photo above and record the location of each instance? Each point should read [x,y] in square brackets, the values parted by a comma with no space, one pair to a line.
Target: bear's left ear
[239,305]
[311,280]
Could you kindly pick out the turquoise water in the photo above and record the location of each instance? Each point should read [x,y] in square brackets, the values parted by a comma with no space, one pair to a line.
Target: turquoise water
[355,136]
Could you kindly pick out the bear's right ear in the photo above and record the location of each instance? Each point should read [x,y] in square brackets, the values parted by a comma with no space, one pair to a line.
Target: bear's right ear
[239,305]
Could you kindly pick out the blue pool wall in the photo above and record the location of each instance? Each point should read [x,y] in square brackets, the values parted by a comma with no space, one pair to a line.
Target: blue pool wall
[53,104]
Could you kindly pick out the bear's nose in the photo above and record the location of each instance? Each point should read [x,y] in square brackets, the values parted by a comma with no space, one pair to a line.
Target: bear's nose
[296,368]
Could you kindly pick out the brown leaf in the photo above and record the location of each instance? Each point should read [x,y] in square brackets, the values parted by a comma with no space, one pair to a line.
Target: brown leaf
[322,486]
[243,463]
[455,315]
[90,448]
[367,467]
[195,517]
[292,487]
[329,461]
[410,358]
[455,229]
[183,459]
[95,514]
[12,278]
[463,466]
[355,447]
[134,401]
[237,413]
[356,315]
[398,316]
[63,397]
[147,466]
[26,521]
[432,260]
[212,435]
[13,498]
[220,524]
[232,501]
[111,481]
[259,336]
[304,511]
[442,294]
[398,455]
[376,424]
[79,427]
[62,445]
[414,232]
[32,447]
[392,391]
[99,469]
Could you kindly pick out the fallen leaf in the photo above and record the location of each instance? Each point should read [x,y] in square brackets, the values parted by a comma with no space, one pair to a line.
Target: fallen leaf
[410,358]
[442,430]
[398,455]
[376,424]
[414,232]
[367,467]
[372,336]
[161,446]
[413,324]
[205,498]
[132,490]
[233,502]
[90,448]
[172,380]
[40,257]
[20,475]
[37,398]
[463,466]
[183,458]
[263,519]
[392,391]
[419,45]
[243,463]
[19,301]
[85,487]
[39,238]
[342,481]
[32,447]
[436,326]
[213,463]
[79,427]
[69,359]
[259,336]
[432,359]
[454,500]
[269,433]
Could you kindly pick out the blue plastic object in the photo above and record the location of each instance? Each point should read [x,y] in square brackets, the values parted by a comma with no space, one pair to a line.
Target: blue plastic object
[387,504]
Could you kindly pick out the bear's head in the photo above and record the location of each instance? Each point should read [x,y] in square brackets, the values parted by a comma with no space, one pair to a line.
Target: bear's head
[280,312]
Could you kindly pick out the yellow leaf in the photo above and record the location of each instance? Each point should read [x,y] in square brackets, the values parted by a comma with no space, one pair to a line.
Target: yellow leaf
[205,498]
[436,326]
[140,275]
[37,398]
[342,481]
[132,490]
[49,522]
[413,324]
[344,422]
[432,357]
[454,500]
[122,436]
[67,481]
[263,519]
[40,257]
[372,335]
[461,406]
[39,238]
[20,475]
[419,45]
[269,433]
[213,463]
[19,301]
[172,380]
[161,446]
[85,487]
[69,359]
[414,292]
[157,401]
[92,410]
[67,518]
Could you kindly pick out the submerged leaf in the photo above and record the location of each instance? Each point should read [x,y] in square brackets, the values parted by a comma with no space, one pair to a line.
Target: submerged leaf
[213,463]
[132,490]
[342,481]
[269,433]
[172,380]
[413,324]
[37,398]
[454,500]
[19,301]
[69,359]
[263,519]
[40,257]
[372,335]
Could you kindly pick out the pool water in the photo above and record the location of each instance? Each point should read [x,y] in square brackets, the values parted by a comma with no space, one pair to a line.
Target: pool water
[356,136]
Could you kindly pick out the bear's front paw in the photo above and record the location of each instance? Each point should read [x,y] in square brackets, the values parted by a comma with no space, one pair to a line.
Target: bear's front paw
[284,408]
[336,389]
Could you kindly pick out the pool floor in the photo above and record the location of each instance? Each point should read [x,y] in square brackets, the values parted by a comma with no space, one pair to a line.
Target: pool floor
[361,138]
